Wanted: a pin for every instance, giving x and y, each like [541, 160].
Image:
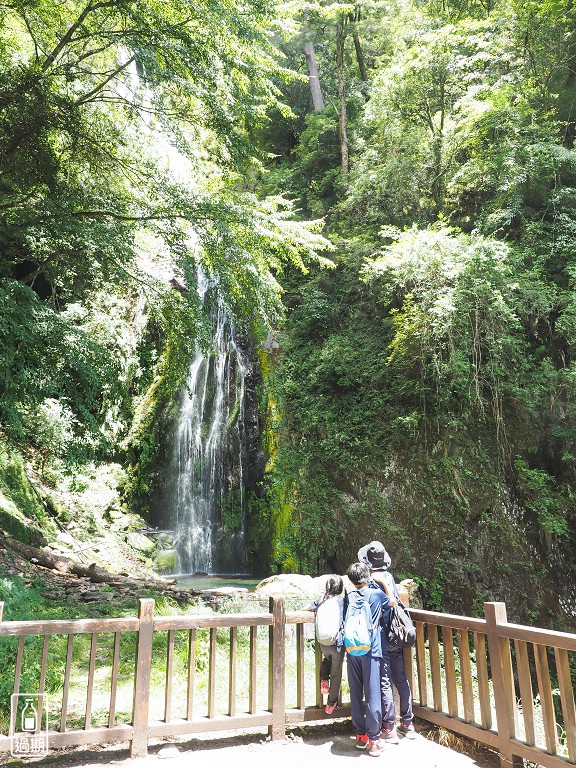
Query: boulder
[288, 585]
[166, 561]
[297, 585]
[140, 542]
[307, 587]
[65, 538]
[165, 541]
[121, 522]
[412, 590]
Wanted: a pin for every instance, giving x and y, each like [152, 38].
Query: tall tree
[108, 109]
[123, 145]
[313, 77]
[341, 28]
[355, 16]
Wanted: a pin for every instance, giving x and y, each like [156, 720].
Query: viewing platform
[330, 746]
[504, 686]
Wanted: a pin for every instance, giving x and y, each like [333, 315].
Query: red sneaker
[324, 687]
[362, 740]
[329, 708]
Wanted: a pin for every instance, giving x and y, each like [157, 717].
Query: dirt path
[321, 747]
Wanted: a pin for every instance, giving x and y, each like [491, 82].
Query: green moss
[22, 512]
[153, 415]
[166, 561]
[15, 484]
[231, 511]
[17, 528]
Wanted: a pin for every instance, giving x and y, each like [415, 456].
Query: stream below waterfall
[215, 582]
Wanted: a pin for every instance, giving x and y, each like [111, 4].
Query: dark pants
[331, 669]
[364, 673]
[393, 672]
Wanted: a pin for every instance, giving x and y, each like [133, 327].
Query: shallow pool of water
[196, 581]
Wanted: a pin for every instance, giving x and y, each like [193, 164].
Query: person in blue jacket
[375, 556]
[365, 672]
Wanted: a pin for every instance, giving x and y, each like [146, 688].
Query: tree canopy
[124, 151]
[427, 385]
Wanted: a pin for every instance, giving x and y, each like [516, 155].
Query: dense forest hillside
[384, 195]
[124, 150]
[427, 382]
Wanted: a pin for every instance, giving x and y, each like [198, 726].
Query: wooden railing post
[141, 707]
[503, 682]
[277, 669]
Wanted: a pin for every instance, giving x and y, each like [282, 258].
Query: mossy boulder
[15, 523]
[166, 561]
[22, 512]
[140, 542]
[289, 585]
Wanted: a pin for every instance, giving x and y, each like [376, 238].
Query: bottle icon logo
[29, 725]
[29, 717]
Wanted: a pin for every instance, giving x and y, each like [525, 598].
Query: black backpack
[401, 632]
[399, 629]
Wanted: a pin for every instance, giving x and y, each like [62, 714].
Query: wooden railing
[491, 681]
[265, 678]
[504, 685]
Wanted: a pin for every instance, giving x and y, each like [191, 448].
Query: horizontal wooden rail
[474, 731]
[547, 637]
[211, 621]
[299, 617]
[79, 737]
[449, 620]
[74, 626]
[210, 724]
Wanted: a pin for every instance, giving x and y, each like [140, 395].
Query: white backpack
[328, 621]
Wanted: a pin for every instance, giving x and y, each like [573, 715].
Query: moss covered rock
[166, 561]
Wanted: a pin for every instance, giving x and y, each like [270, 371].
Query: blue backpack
[358, 625]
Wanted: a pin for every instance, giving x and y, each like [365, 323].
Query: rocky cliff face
[211, 471]
[463, 542]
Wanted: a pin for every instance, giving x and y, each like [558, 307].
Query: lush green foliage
[427, 386]
[424, 392]
[124, 146]
[22, 511]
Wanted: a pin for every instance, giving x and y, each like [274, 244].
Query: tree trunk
[317, 98]
[360, 56]
[342, 121]
[570, 131]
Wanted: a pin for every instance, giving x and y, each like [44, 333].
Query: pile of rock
[66, 580]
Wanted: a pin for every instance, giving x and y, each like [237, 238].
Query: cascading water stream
[207, 497]
[210, 451]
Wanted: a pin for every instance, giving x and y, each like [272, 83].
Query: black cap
[375, 556]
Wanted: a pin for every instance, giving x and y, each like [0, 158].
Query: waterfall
[205, 485]
[209, 496]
